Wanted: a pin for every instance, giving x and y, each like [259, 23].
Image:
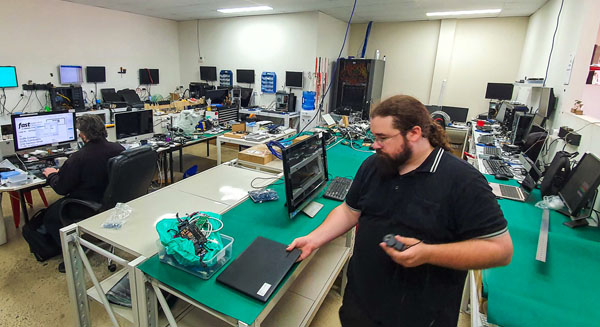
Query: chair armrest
[94, 208]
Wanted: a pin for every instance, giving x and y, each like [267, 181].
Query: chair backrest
[191, 171]
[129, 175]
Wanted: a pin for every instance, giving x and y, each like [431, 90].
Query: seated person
[84, 175]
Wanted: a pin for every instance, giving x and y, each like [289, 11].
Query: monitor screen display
[432, 108]
[70, 74]
[499, 91]
[8, 76]
[353, 96]
[95, 74]
[217, 96]
[293, 79]
[43, 129]
[582, 184]
[133, 123]
[304, 171]
[208, 73]
[457, 114]
[148, 76]
[245, 76]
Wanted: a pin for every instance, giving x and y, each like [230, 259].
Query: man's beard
[389, 165]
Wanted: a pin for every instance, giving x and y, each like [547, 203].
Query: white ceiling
[366, 10]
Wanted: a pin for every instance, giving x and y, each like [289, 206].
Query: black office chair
[129, 177]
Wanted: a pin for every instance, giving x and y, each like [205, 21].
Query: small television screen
[245, 76]
[95, 74]
[293, 79]
[70, 74]
[8, 76]
[208, 73]
[148, 76]
[499, 91]
[582, 184]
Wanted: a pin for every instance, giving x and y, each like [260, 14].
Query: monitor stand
[312, 209]
[584, 216]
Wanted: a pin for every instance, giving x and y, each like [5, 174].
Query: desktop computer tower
[285, 102]
[511, 111]
[357, 86]
[493, 109]
[65, 98]
[520, 129]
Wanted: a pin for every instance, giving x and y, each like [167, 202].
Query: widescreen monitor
[457, 114]
[8, 77]
[581, 185]
[134, 125]
[208, 73]
[70, 74]
[293, 79]
[304, 172]
[245, 76]
[34, 130]
[217, 96]
[148, 76]
[499, 91]
[95, 74]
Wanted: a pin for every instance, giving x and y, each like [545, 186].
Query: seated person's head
[91, 128]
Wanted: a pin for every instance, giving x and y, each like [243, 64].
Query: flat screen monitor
[353, 96]
[148, 76]
[245, 76]
[304, 172]
[95, 74]
[208, 73]
[245, 96]
[581, 185]
[134, 125]
[8, 77]
[293, 79]
[499, 91]
[34, 130]
[457, 114]
[217, 96]
[521, 125]
[432, 108]
[547, 102]
[70, 74]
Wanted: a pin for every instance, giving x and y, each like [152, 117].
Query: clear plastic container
[206, 270]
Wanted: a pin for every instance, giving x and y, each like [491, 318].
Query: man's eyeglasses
[381, 139]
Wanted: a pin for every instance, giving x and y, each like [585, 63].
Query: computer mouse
[501, 177]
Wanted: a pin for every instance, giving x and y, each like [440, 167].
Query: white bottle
[377, 54]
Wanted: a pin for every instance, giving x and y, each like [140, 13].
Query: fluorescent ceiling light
[464, 12]
[245, 9]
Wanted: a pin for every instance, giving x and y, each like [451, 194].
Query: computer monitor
[432, 108]
[33, 130]
[501, 113]
[134, 125]
[217, 96]
[547, 102]
[304, 172]
[95, 74]
[353, 96]
[70, 74]
[245, 96]
[581, 185]
[521, 125]
[208, 73]
[100, 113]
[8, 77]
[148, 76]
[245, 76]
[499, 91]
[293, 79]
[457, 114]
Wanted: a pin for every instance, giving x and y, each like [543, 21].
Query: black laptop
[259, 269]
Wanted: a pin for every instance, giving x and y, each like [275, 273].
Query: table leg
[171, 165]
[207, 148]
[181, 160]
[218, 151]
[166, 180]
[23, 206]
[3, 238]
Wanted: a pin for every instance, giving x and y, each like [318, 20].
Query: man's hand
[48, 171]
[305, 244]
[416, 254]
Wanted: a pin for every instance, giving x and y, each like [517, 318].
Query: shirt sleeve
[67, 178]
[477, 212]
[353, 196]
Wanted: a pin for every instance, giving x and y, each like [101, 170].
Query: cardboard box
[241, 127]
[235, 135]
[259, 154]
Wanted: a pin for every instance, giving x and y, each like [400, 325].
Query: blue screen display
[8, 76]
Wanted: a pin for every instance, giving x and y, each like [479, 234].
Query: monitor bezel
[147, 71]
[133, 137]
[16, 142]
[573, 211]
[237, 75]
[487, 91]
[97, 68]
[293, 211]
[60, 75]
[16, 78]
[211, 68]
[288, 73]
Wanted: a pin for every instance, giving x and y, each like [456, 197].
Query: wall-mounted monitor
[499, 91]
[34, 130]
[95, 74]
[8, 77]
[293, 79]
[148, 76]
[244, 76]
[70, 74]
[208, 73]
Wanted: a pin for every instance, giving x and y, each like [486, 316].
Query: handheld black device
[390, 241]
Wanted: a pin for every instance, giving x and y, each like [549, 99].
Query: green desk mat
[244, 223]
[563, 291]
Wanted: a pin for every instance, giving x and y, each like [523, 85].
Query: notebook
[259, 269]
[513, 192]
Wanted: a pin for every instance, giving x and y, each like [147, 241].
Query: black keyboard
[495, 167]
[491, 150]
[486, 139]
[338, 188]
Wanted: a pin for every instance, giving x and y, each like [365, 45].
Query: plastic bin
[308, 100]
[206, 270]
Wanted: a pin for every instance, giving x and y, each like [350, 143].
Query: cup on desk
[58, 162]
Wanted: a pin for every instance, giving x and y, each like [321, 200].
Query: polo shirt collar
[432, 162]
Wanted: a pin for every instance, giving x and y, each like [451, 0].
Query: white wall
[39, 35]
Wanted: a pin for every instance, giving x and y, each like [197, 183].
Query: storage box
[235, 135]
[259, 154]
[241, 127]
[207, 269]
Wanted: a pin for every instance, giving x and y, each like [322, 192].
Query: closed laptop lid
[260, 268]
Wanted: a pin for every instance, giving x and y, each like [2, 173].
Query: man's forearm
[472, 254]
[339, 221]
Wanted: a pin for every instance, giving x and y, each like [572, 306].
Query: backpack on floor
[41, 245]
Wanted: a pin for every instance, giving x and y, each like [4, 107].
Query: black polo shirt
[444, 200]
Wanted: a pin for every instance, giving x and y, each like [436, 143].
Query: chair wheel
[112, 267]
